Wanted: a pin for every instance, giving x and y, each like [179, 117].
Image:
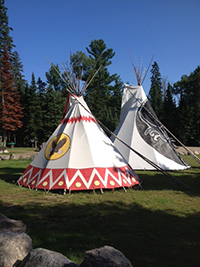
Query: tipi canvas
[140, 129]
[78, 156]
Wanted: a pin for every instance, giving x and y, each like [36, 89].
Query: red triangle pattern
[78, 179]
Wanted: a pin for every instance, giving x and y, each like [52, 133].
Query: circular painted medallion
[57, 147]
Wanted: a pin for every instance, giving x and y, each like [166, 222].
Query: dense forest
[29, 113]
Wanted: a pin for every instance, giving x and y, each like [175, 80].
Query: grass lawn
[158, 225]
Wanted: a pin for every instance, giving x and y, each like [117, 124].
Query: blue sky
[167, 29]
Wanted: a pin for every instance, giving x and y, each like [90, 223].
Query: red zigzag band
[78, 119]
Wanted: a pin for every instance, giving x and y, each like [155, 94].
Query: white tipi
[78, 156]
[140, 129]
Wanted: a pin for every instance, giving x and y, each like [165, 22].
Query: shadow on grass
[146, 237]
[11, 175]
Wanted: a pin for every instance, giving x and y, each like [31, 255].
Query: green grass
[158, 225]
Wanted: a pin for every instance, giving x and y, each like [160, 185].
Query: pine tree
[41, 87]
[54, 78]
[98, 93]
[169, 116]
[21, 140]
[5, 38]
[16, 65]
[115, 103]
[155, 93]
[184, 120]
[101, 93]
[52, 106]
[195, 81]
[17, 69]
[30, 113]
[11, 110]
[40, 95]
[189, 108]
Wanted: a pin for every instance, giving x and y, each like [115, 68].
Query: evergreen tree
[16, 65]
[17, 69]
[41, 87]
[10, 108]
[98, 94]
[52, 111]
[101, 93]
[30, 113]
[21, 83]
[54, 78]
[21, 140]
[169, 116]
[155, 92]
[195, 81]
[79, 63]
[40, 95]
[115, 103]
[189, 108]
[5, 38]
[184, 120]
[39, 113]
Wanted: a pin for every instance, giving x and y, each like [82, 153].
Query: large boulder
[40, 257]
[4, 157]
[23, 156]
[105, 256]
[13, 246]
[7, 224]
